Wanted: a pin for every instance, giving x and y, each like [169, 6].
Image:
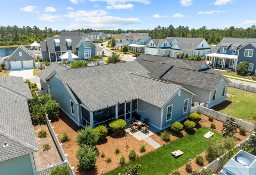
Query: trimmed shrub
[125, 49]
[214, 151]
[42, 133]
[189, 168]
[117, 126]
[46, 147]
[210, 119]
[132, 155]
[64, 137]
[102, 132]
[142, 148]
[195, 117]
[78, 64]
[165, 136]
[122, 160]
[114, 58]
[242, 68]
[61, 170]
[200, 160]
[87, 136]
[177, 127]
[242, 131]
[86, 157]
[176, 173]
[108, 160]
[189, 124]
[213, 126]
[117, 151]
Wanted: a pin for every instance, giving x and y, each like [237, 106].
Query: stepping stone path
[152, 142]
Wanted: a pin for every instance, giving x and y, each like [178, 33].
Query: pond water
[7, 51]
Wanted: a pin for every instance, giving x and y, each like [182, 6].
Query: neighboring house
[209, 85]
[21, 58]
[17, 136]
[112, 91]
[77, 42]
[97, 36]
[242, 163]
[173, 47]
[231, 51]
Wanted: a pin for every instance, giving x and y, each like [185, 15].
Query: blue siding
[252, 59]
[228, 52]
[81, 50]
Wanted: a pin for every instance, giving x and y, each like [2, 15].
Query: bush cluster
[64, 137]
[165, 136]
[117, 126]
[177, 127]
[195, 117]
[102, 132]
[200, 160]
[142, 148]
[122, 160]
[189, 125]
[42, 133]
[242, 68]
[61, 170]
[132, 155]
[87, 136]
[189, 168]
[86, 157]
[242, 131]
[78, 64]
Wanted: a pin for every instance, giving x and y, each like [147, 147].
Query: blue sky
[128, 14]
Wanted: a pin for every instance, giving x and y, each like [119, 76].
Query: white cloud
[70, 8]
[81, 15]
[49, 9]
[50, 18]
[74, 1]
[211, 12]
[122, 1]
[119, 6]
[157, 16]
[186, 2]
[248, 23]
[178, 15]
[222, 2]
[30, 8]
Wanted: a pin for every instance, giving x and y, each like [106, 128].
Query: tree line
[14, 35]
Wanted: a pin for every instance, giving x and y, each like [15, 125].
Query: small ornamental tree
[87, 136]
[195, 117]
[52, 108]
[125, 49]
[117, 126]
[37, 115]
[86, 157]
[102, 132]
[229, 127]
[242, 68]
[60, 170]
[177, 127]
[114, 58]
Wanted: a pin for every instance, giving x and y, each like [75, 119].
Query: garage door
[28, 64]
[15, 64]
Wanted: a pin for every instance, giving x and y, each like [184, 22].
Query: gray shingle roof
[29, 52]
[158, 42]
[43, 46]
[188, 43]
[49, 70]
[16, 85]
[16, 128]
[181, 71]
[108, 85]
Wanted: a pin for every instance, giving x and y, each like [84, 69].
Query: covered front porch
[126, 111]
[222, 61]
[137, 48]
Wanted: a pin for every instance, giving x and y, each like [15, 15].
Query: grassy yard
[4, 73]
[161, 162]
[36, 71]
[234, 74]
[240, 104]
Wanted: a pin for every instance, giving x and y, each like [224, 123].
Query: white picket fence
[63, 156]
[242, 86]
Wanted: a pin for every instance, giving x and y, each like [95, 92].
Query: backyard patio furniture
[133, 128]
[177, 153]
[144, 129]
[208, 134]
[145, 121]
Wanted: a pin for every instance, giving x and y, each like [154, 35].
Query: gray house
[210, 86]
[97, 36]
[77, 42]
[17, 138]
[231, 51]
[94, 95]
[21, 58]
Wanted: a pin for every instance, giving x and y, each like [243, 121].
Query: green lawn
[161, 162]
[241, 104]
[4, 73]
[234, 74]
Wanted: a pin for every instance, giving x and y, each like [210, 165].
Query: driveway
[25, 74]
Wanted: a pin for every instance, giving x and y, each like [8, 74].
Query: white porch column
[91, 120]
[56, 56]
[116, 111]
[124, 110]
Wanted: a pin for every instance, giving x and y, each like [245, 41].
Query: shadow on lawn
[222, 105]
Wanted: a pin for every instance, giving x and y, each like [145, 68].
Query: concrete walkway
[152, 142]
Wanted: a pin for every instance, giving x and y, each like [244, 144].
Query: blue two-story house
[76, 42]
[231, 51]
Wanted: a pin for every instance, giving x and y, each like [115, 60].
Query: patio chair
[144, 129]
[145, 121]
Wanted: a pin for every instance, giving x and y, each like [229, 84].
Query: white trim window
[185, 106]
[214, 94]
[250, 67]
[87, 54]
[72, 107]
[20, 54]
[169, 113]
[224, 91]
[248, 52]
[223, 49]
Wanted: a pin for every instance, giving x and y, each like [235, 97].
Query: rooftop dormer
[69, 44]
